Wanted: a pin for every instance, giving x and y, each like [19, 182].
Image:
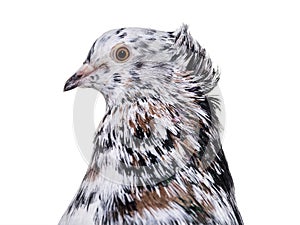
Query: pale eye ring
[122, 54]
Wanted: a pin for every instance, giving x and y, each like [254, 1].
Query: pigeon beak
[75, 80]
[72, 82]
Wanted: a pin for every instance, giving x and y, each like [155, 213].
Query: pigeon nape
[158, 157]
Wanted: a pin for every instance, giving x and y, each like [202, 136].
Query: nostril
[78, 75]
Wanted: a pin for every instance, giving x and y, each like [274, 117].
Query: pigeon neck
[147, 141]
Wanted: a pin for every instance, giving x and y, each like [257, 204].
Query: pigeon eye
[121, 54]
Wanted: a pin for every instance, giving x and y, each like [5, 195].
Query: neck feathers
[147, 141]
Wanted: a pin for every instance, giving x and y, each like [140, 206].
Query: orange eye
[121, 54]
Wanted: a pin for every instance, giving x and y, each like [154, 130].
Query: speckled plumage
[157, 152]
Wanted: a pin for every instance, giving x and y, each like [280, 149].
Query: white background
[255, 43]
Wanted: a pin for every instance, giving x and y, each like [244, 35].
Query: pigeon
[157, 155]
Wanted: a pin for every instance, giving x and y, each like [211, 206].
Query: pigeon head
[136, 62]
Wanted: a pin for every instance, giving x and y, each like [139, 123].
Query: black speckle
[108, 143]
[79, 200]
[118, 31]
[108, 113]
[184, 39]
[142, 161]
[196, 90]
[171, 34]
[139, 133]
[118, 80]
[117, 77]
[148, 133]
[129, 150]
[151, 39]
[155, 98]
[153, 158]
[126, 207]
[100, 131]
[123, 35]
[133, 73]
[159, 151]
[204, 138]
[223, 180]
[114, 134]
[90, 199]
[160, 65]
[193, 48]
[188, 44]
[134, 40]
[177, 37]
[138, 65]
[168, 143]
